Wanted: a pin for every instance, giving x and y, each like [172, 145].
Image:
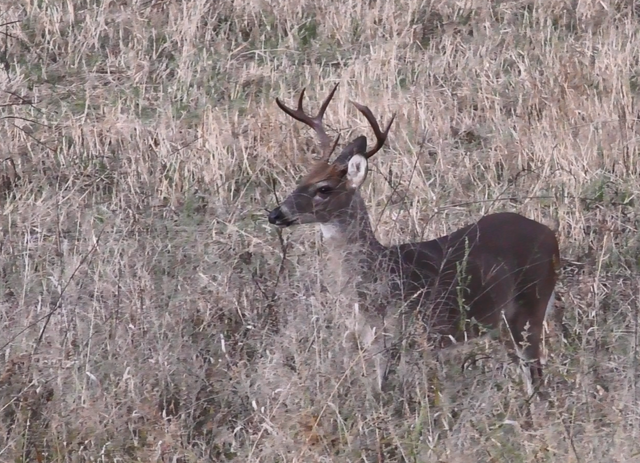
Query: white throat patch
[329, 231]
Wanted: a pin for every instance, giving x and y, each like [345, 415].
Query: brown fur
[321, 171]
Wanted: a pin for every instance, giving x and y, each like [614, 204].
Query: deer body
[504, 267]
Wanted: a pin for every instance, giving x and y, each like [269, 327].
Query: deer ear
[357, 171]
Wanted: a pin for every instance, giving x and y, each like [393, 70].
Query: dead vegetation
[148, 312]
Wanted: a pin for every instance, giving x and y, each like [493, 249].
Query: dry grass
[147, 312]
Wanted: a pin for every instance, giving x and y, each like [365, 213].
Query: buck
[502, 268]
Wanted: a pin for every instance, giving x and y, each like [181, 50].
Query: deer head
[328, 190]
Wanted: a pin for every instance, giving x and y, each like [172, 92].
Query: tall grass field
[150, 313]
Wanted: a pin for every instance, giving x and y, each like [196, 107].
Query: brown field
[149, 312]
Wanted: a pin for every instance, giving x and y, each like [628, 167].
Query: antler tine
[381, 136]
[314, 122]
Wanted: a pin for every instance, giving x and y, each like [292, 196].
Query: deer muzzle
[280, 217]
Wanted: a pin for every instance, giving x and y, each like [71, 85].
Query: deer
[501, 270]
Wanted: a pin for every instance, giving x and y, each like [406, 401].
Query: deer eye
[324, 190]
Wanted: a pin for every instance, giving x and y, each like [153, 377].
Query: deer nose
[281, 217]
[276, 216]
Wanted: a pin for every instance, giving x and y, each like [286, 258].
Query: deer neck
[349, 233]
[357, 263]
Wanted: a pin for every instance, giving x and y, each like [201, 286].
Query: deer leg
[532, 355]
[380, 361]
[527, 335]
[366, 338]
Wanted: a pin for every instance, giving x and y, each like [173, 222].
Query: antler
[314, 122]
[381, 136]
